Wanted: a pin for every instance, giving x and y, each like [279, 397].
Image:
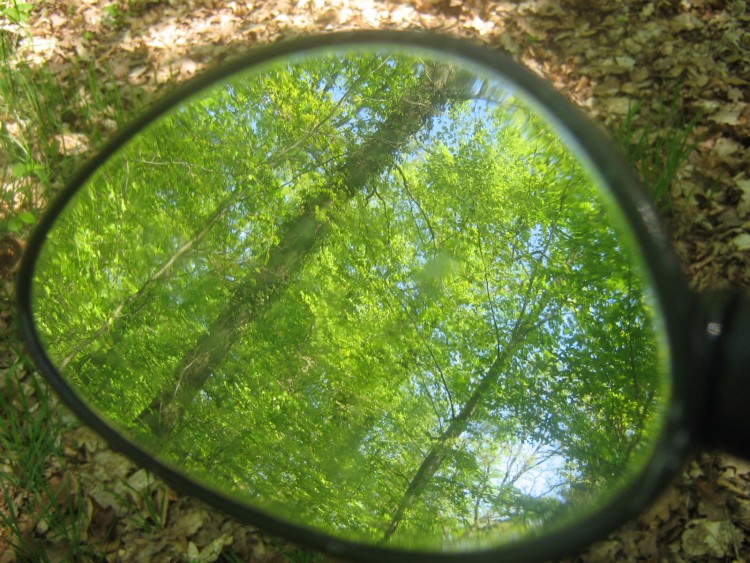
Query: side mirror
[386, 294]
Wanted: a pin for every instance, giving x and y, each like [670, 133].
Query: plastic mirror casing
[727, 388]
[684, 317]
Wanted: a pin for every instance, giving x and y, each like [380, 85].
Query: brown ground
[603, 54]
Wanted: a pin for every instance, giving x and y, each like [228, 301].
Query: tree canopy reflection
[372, 294]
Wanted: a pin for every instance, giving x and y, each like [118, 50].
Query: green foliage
[16, 12]
[29, 442]
[659, 149]
[26, 427]
[358, 295]
[115, 16]
[43, 110]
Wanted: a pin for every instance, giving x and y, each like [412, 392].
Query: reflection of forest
[372, 295]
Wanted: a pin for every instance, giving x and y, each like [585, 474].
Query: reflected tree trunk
[297, 239]
[531, 315]
[200, 232]
[525, 323]
[155, 277]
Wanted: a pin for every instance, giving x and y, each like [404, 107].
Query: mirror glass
[369, 291]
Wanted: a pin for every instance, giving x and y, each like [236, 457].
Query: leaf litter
[606, 56]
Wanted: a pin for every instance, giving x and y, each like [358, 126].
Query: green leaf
[14, 225]
[27, 218]
[20, 170]
[18, 13]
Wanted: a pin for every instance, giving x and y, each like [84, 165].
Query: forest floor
[676, 72]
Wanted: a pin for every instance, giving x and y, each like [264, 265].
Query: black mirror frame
[685, 318]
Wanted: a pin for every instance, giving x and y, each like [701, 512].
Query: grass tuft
[48, 125]
[29, 430]
[659, 149]
[39, 513]
[42, 513]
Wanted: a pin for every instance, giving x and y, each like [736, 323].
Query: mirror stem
[729, 376]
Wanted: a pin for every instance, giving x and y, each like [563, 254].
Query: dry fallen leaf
[706, 538]
[742, 241]
[188, 523]
[103, 522]
[72, 143]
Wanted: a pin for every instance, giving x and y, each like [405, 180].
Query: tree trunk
[297, 239]
[525, 323]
